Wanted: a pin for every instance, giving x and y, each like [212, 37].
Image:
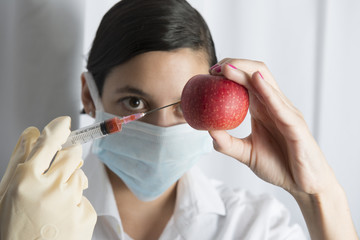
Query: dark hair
[132, 27]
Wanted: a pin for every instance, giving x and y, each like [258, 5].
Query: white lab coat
[205, 209]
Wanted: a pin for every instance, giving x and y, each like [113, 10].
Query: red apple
[214, 103]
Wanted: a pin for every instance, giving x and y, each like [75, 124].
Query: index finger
[52, 137]
[245, 69]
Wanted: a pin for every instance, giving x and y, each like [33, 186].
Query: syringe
[99, 130]
[102, 129]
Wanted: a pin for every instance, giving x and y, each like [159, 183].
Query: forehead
[158, 73]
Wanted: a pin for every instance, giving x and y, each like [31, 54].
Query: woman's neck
[138, 217]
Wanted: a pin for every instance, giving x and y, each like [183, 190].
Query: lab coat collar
[197, 193]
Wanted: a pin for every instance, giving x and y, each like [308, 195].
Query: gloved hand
[38, 205]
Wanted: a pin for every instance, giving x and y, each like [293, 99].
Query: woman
[142, 183]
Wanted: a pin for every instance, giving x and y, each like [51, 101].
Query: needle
[157, 109]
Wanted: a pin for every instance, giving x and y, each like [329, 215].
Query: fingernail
[214, 66]
[261, 75]
[217, 69]
[231, 66]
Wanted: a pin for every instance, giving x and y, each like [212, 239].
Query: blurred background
[311, 47]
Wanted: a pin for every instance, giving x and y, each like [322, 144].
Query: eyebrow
[129, 89]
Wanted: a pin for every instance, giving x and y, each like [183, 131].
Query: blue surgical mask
[148, 158]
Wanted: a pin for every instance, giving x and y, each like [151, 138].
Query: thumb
[239, 149]
[19, 155]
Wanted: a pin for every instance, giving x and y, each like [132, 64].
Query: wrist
[327, 214]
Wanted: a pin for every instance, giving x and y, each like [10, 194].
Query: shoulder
[232, 198]
[252, 216]
[237, 199]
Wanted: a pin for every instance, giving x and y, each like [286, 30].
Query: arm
[282, 151]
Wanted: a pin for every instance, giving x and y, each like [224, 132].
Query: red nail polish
[231, 66]
[261, 75]
[217, 69]
[214, 66]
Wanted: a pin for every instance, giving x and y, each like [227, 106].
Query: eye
[133, 104]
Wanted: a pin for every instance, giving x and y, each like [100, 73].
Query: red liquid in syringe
[99, 130]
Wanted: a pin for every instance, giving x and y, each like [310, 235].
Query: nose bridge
[164, 118]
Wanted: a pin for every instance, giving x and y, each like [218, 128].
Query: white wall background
[311, 47]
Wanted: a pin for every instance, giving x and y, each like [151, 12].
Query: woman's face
[151, 80]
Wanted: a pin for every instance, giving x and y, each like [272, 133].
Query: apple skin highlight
[214, 103]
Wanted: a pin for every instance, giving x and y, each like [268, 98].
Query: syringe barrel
[86, 134]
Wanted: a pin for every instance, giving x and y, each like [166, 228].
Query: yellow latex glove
[34, 205]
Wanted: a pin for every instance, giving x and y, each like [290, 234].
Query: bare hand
[280, 148]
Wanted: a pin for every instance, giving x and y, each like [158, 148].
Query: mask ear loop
[93, 91]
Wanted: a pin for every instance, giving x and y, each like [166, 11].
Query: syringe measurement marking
[83, 135]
